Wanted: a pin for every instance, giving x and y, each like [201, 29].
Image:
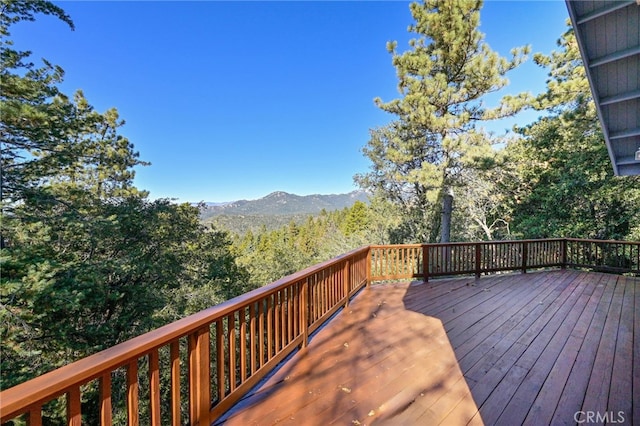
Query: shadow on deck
[539, 348]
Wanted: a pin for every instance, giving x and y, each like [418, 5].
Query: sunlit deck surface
[533, 348]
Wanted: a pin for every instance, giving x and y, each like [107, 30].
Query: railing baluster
[193, 377]
[291, 332]
[269, 327]
[220, 359]
[321, 296]
[132, 393]
[34, 416]
[253, 350]
[174, 360]
[304, 313]
[74, 416]
[261, 331]
[283, 319]
[243, 344]
[204, 348]
[105, 399]
[231, 339]
[154, 386]
[346, 277]
[277, 307]
[296, 310]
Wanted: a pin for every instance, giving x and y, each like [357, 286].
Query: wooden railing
[423, 261]
[604, 256]
[229, 348]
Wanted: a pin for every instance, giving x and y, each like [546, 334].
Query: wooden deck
[556, 347]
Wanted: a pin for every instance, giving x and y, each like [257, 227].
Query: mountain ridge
[284, 203]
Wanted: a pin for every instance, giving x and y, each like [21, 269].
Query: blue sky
[234, 100]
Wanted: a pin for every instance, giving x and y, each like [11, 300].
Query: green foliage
[87, 260]
[241, 224]
[563, 182]
[269, 255]
[419, 159]
[34, 113]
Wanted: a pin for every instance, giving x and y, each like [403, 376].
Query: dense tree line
[88, 260]
[553, 178]
[272, 254]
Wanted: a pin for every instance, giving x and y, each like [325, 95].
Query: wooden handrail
[26, 396]
[477, 258]
[244, 338]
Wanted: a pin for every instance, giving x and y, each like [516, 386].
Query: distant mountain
[208, 204]
[282, 203]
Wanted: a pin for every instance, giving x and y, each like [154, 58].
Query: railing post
[563, 253]
[199, 376]
[478, 260]
[368, 267]
[346, 278]
[425, 262]
[525, 254]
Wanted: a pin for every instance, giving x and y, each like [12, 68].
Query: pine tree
[87, 260]
[419, 158]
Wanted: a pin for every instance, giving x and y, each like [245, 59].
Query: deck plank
[482, 339]
[545, 404]
[497, 365]
[542, 355]
[597, 395]
[505, 349]
[576, 385]
[621, 387]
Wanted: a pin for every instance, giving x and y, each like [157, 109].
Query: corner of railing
[368, 267]
[425, 262]
[478, 259]
[525, 255]
[564, 243]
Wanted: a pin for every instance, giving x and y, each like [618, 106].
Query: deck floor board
[531, 348]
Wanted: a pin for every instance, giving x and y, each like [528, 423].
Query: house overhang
[608, 35]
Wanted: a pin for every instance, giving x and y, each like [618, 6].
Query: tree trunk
[485, 228]
[447, 208]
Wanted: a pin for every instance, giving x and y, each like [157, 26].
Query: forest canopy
[88, 260]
